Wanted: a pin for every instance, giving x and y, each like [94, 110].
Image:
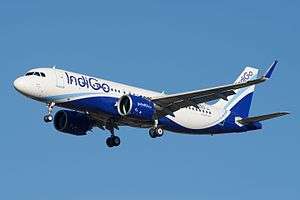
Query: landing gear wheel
[152, 133]
[116, 141]
[109, 142]
[159, 132]
[48, 118]
[156, 132]
[113, 141]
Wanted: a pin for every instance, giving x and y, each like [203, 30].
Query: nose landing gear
[49, 118]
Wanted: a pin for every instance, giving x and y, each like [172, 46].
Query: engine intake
[72, 122]
[136, 107]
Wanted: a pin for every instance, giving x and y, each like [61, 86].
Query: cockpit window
[29, 74]
[42, 74]
[36, 74]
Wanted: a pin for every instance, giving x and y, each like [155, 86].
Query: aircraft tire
[152, 133]
[109, 142]
[159, 132]
[48, 118]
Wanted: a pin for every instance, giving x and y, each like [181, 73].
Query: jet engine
[72, 122]
[136, 107]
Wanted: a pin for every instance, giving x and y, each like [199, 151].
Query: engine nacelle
[136, 107]
[72, 122]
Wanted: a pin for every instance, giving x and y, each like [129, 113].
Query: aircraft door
[60, 79]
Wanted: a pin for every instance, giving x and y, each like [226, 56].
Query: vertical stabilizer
[240, 102]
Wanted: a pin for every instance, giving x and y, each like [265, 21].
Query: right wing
[168, 104]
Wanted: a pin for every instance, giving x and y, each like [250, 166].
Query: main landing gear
[113, 140]
[49, 117]
[156, 132]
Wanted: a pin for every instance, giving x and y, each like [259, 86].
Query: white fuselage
[60, 87]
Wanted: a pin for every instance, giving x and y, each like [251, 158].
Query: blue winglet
[271, 69]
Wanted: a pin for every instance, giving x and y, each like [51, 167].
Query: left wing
[168, 104]
[259, 118]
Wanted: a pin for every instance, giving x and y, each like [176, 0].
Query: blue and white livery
[90, 102]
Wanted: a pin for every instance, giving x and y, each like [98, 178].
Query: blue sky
[170, 46]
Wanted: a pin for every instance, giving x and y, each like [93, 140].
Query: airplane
[90, 102]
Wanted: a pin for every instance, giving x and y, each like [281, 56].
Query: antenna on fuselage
[54, 66]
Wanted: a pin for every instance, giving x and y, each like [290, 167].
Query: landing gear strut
[156, 132]
[49, 117]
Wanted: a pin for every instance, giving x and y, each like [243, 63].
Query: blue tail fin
[240, 102]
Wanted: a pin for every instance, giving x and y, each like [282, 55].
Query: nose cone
[20, 85]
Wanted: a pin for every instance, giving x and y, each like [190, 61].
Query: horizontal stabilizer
[259, 118]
